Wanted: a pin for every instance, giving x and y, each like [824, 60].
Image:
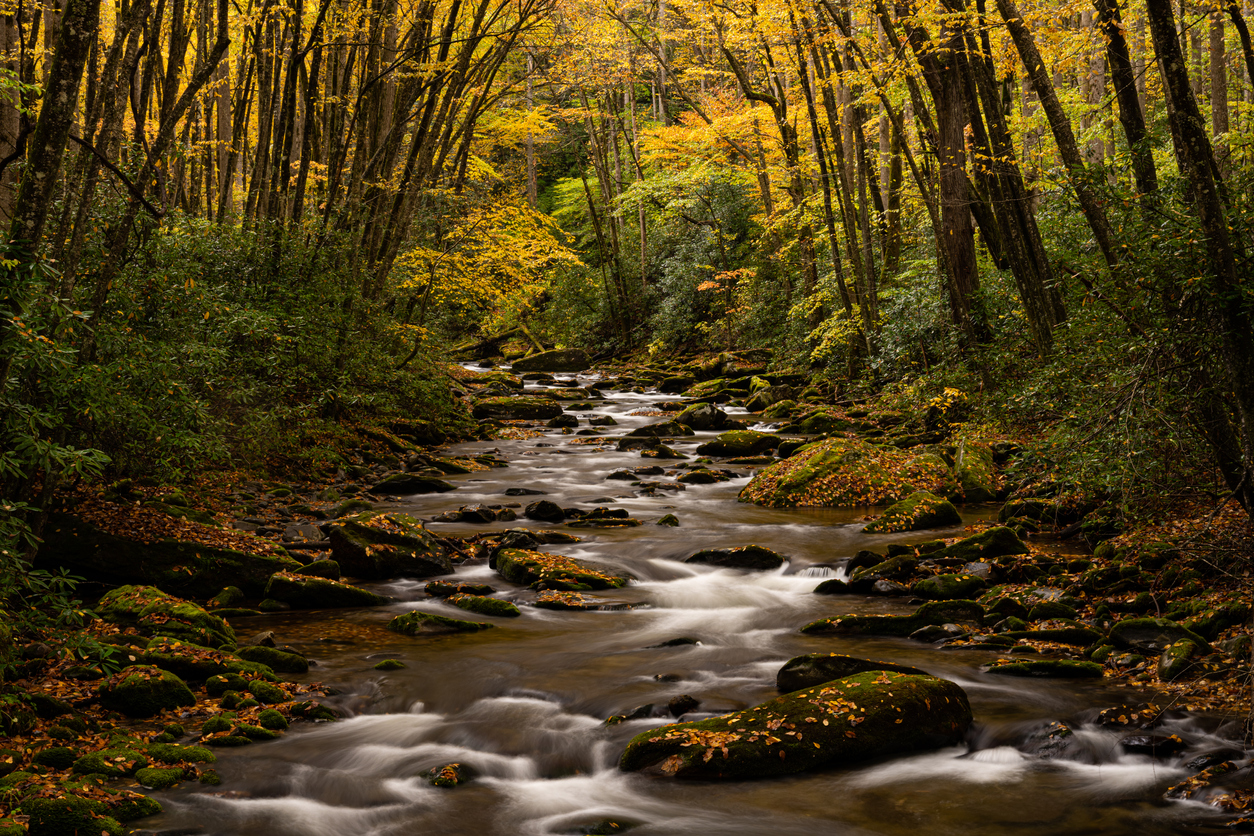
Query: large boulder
[739, 443]
[661, 429]
[846, 472]
[992, 542]
[916, 512]
[768, 396]
[155, 613]
[542, 570]
[933, 612]
[190, 661]
[380, 545]
[144, 690]
[309, 592]
[741, 557]
[976, 471]
[517, 408]
[703, 416]
[1153, 635]
[864, 716]
[559, 360]
[816, 668]
[182, 567]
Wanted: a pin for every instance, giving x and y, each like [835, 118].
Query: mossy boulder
[116, 762]
[517, 408]
[154, 612]
[408, 484]
[267, 693]
[144, 690]
[864, 716]
[159, 778]
[172, 753]
[933, 612]
[1059, 631]
[703, 416]
[70, 815]
[816, 668]
[845, 473]
[483, 605]
[989, 543]
[1051, 668]
[270, 718]
[190, 661]
[307, 592]
[273, 658]
[568, 360]
[976, 471]
[184, 568]
[702, 476]
[376, 546]
[541, 570]
[423, 623]
[1153, 635]
[898, 567]
[917, 511]
[739, 443]
[55, 757]
[948, 586]
[758, 558]
[662, 429]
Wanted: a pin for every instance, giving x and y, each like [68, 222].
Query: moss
[389, 665]
[310, 592]
[742, 557]
[114, 762]
[816, 668]
[483, 605]
[844, 472]
[274, 658]
[171, 753]
[517, 408]
[948, 587]
[418, 623]
[549, 571]
[377, 546]
[933, 612]
[210, 777]
[218, 723]
[976, 471]
[255, 732]
[990, 543]
[739, 443]
[917, 511]
[189, 661]
[156, 613]
[230, 741]
[69, 816]
[267, 693]
[159, 778]
[1055, 668]
[129, 806]
[863, 716]
[216, 686]
[144, 690]
[272, 719]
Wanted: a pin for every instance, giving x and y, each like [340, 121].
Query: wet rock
[1154, 745]
[917, 511]
[1180, 660]
[186, 568]
[523, 492]
[517, 408]
[933, 612]
[1152, 635]
[542, 571]
[544, 511]
[407, 484]
[275, 659]
[898, 567]
[768, 396]
[1052, 741]
[816, 668]
[483, 605]
[864, 716]
[322, 568]
[1061, 631]
[947, 587]
[308, 592]
[443, 589]
[662, 429]
[890, 588]
[153, 612]
[739, 443]
[602, 421]
[623, 475]
[144, 690]
[561, 360]
[1053, 668]
[676, 384]
[990, 543]
[938, 633]
[375, 546]
[563, 420]
[703, 417]
[1047, 610]
[758, 558]
[832, 586]
[669, 520]
[421, 623]
[660, 451]
[1002, 607]
[450, 775]
[702, 476]
[682, 704]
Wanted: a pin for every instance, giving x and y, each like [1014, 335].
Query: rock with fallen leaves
[144, 690]
[377, 545]
[867, 715]
[816, 668]
[920, 510]
[310, 592]
[552, 571]
[155, 613]
[125, 544]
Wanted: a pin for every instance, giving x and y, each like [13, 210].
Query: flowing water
[524, 704]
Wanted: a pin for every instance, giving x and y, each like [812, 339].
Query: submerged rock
[742, 557]
[856, 718]
[816, 668]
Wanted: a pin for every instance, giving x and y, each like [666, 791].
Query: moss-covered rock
[267, 693]
[1059, 631]
[1179, 660]
[159, 778]
[153, 612]
[757, 558]
[270, 718]
[992, 542]
[309, 592]
[948, 587]
[517, 408]
[917, 511]
[816, 668]
[115, 762]
[661, 429]
[898, 567]
[408, 484]
[1053, 668]
[189, 661]
[541, 570]
[703, 416]
[1153, 635]
[976, 471]
[144, 690]
[423, 623]
[185, 568]
[172, 753]
[702, 476]
[483, 605]
[863, 716]
[739, 443]
[275, 659]
[558, 360]
[55, 757]
[933, 612]
[230, 596]
[843, 473]
[69, 815]
[378, 545]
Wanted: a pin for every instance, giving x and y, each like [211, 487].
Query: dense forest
[246, 238]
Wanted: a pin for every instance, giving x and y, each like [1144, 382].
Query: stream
[525, 704]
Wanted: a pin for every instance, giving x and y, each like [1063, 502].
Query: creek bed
[524, 704]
